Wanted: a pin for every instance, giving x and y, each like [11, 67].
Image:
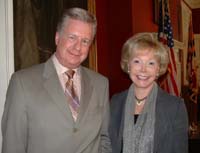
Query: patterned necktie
[72, 97]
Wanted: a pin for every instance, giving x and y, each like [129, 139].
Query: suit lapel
[54, 89]
[86, 92]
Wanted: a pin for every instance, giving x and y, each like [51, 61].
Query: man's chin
[74, 65]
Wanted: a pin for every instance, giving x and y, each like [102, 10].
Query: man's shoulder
[30, 71]
[93, 74]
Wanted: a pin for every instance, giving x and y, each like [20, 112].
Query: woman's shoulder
[169, 102]
[118, 99]
[168, 97]
[119, 96]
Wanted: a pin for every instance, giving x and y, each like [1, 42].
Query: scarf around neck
[139, 137]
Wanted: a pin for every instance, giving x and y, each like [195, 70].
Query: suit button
[75, 130]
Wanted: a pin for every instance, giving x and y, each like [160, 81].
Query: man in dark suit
[39, 116]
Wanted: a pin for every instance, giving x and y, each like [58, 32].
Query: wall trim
[178, 44]
[197, 36]
[6, 50]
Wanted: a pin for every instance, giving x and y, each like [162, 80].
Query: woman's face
[144, 69]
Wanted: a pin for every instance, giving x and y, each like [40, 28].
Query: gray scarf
[139, 137]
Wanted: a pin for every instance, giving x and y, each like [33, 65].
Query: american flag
[165, 35]
[191, 65]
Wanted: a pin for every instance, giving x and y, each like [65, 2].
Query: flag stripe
[173, 59]
[165, 35]
[175, 88]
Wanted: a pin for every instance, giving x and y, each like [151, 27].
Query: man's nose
[78, 44]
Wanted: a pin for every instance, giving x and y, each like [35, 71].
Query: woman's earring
[128, 70]
[157, 76]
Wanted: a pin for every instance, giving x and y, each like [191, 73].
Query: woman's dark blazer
[171, 125]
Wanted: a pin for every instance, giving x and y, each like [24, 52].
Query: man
[42, 114]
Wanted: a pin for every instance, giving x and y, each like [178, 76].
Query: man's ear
[57, 36]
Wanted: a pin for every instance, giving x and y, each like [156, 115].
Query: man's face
[73, 43]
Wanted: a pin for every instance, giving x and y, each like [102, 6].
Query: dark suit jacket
[171, 125]
[37, 118]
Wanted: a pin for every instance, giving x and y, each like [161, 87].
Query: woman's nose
[143, 67]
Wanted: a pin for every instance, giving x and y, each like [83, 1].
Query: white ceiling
[193, 3]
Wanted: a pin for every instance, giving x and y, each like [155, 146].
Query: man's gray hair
[77, 14]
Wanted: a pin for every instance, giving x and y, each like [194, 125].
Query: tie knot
[70, 73]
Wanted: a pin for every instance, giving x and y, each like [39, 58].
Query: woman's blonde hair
[141, 42]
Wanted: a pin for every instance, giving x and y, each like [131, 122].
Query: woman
[144, 118]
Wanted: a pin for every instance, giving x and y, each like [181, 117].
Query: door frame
[6, 51]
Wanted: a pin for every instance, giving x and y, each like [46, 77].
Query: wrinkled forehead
[77, 23]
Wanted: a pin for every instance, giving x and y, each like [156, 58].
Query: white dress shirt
[60, 69]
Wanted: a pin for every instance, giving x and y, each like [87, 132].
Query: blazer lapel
[54, 89]
[161, 123]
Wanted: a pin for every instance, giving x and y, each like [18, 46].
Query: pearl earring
[128, 70]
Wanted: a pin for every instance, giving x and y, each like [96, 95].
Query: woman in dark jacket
[144, 118]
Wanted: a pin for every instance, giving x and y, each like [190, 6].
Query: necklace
[140, 101]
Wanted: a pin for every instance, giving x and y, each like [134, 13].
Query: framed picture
[34, 40]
